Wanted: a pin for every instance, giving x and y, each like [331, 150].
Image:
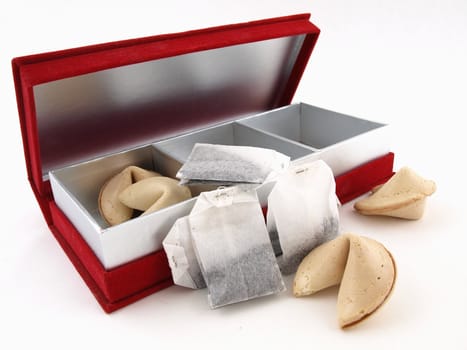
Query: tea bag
[233, 248]
[226, 165]
[302, 212]
[181, 256]
[178, 247]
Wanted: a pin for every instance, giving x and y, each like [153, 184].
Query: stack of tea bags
[224, 244]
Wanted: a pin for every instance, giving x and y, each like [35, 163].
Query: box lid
[82, 103]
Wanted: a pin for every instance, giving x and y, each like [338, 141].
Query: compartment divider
[306, 149]
[231, 133]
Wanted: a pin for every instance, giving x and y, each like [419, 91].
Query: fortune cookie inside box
[78, 192]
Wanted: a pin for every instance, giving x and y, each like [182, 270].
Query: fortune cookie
[154, 193]
[403, 196]
[362, 266]
[110, 207]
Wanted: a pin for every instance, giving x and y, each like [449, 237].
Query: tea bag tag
[222, 197]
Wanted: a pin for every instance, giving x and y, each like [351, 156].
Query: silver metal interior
[83, 181]
[297, 131]
[309, 125]
[303, 132]
[91, 115]
[234, 134]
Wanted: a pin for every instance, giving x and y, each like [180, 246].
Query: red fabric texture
[116, 287]
[362, 179]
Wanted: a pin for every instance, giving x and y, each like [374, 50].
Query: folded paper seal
[181, 256]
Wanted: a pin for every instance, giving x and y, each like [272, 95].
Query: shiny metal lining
[87, 116]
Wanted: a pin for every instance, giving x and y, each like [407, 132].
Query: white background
[395, 61]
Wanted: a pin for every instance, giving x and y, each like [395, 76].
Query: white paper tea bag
[178, 247]
[302, 212]
[181, 256]
[226, 165]
[233, 247]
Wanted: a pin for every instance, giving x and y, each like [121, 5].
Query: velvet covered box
[88, 112]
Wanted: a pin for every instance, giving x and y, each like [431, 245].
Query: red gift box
[81, 104]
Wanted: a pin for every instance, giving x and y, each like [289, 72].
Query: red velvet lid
[86, 102]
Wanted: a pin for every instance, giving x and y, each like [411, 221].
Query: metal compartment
[310, 125]
[76, 190]
[303, 132]
[339, 139]
[234, 134]
[133, 105]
